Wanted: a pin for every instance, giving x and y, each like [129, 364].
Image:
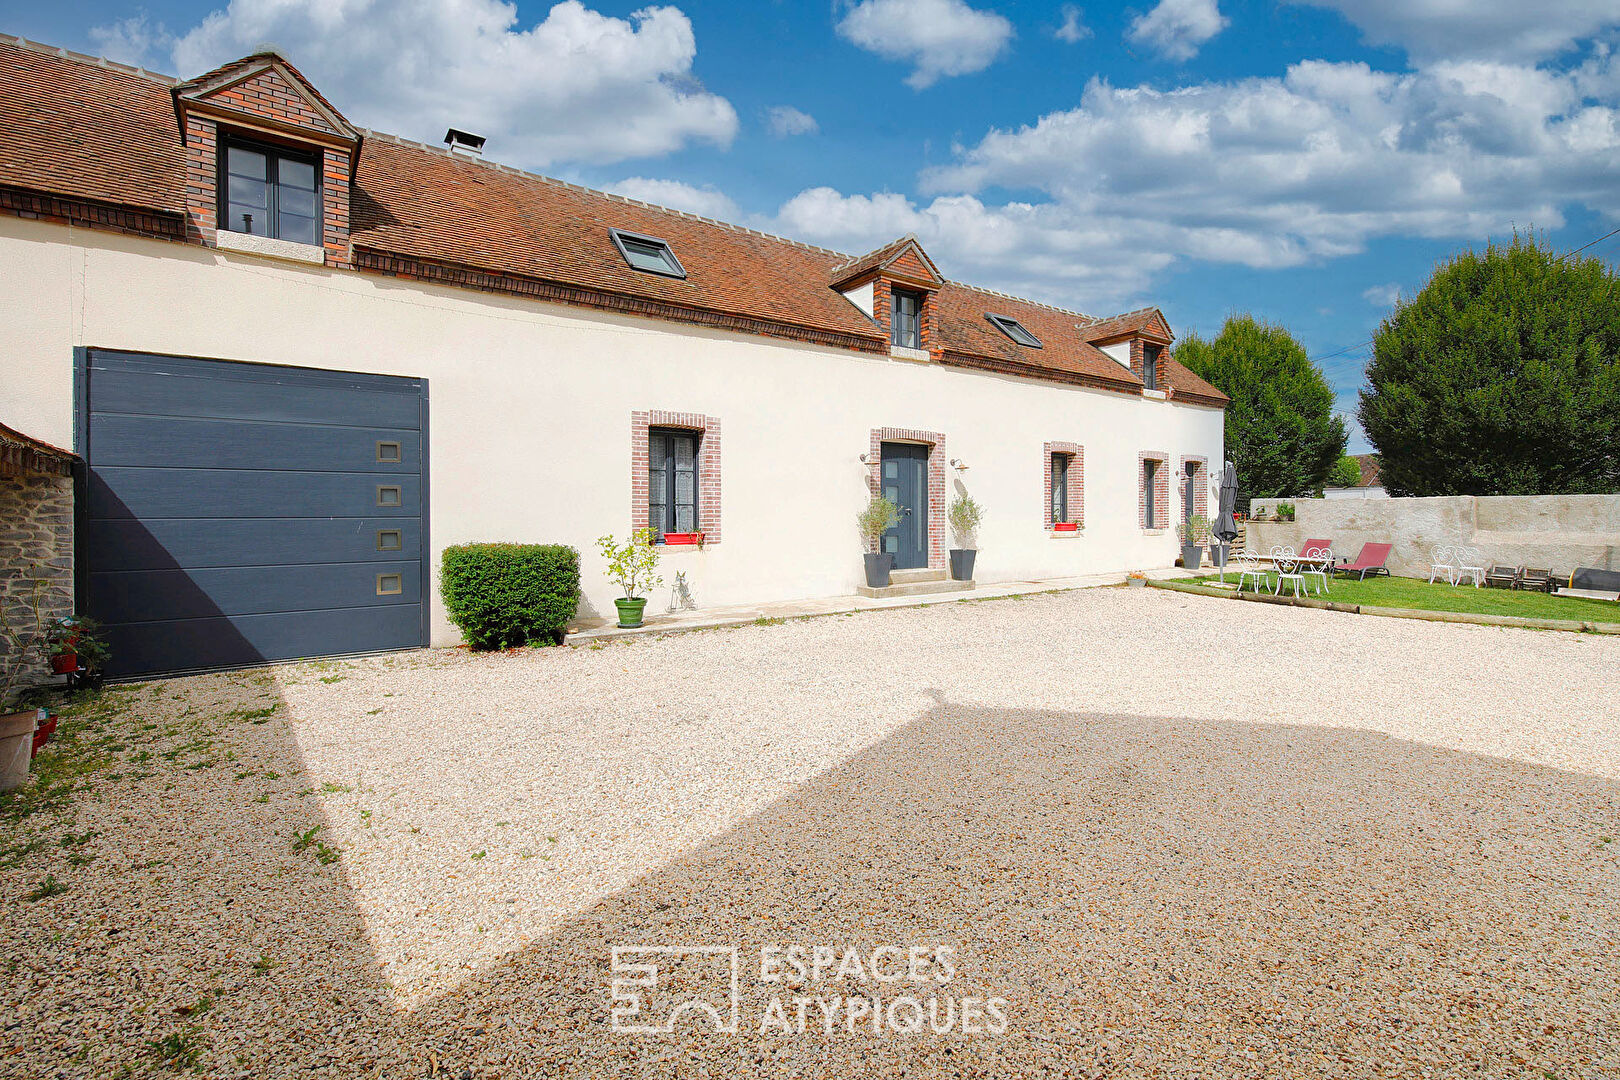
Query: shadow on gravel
[1173, 897]
[1164, 897]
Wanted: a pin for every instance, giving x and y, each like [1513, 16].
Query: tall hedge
[504, 595]
[1281, 432]
[1501, 377]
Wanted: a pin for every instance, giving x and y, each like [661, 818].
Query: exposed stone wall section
[36, 542]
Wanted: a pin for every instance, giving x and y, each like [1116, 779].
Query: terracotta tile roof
[22, 454]
[854, 268]
[1148, 321]
[88, 130]
[82, 128]
[427, 204]
[1369, 469]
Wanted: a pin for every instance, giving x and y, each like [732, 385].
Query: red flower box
[682, 539]
[1066, 526]
[65, 663]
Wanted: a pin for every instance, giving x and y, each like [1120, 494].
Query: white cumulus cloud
[1177, 29]
[1073, 28]
[703, 201]
[784, 120]
[1500, 29]
[577, 86]
[940, 38]
[1382, 295]
[1264, 172]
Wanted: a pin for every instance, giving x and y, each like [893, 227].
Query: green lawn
[1399, 592]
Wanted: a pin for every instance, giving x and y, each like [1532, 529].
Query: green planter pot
[630, 611]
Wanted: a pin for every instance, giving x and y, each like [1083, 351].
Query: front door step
[911, 577]
[940, 584]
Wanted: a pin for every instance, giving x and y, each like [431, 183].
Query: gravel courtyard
[1180, 837]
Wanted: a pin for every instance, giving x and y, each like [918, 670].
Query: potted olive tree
[633, 565]
[878, 518]
[964, 516]
[1193, 532]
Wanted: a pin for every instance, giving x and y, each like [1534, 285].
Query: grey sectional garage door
[238, 513]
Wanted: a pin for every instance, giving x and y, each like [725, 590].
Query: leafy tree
[1347, 473]
[1500, 378]
[1280, 429]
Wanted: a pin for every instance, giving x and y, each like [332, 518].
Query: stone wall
[1559, 532]
[36, 543]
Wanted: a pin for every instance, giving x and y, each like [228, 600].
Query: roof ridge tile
[85, 58]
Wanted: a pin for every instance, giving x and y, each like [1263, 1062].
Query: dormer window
[271, 191]
[1015, 330]
[905, 319]
[648, 253]
[1150, 366]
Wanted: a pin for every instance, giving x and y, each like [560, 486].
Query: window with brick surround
[1150, 366]
[1153, 489]
[672, 498]
[1064, 483]
[675, 473]
[270, 191]
[906, 319]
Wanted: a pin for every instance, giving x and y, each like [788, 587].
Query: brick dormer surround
[902, 264]
[1139, 347]
[264, 98]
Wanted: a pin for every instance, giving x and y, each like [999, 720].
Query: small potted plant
[878, 518]
[1136, 579]
[23, 632]
[964, 515]
[1192, 533]
[633, 565]
[72, 645]
[1285, 511]
[1071, 523]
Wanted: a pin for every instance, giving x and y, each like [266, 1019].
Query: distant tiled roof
[89, 129]
[1369, 469]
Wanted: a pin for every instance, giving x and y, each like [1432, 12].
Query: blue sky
[1301, 161]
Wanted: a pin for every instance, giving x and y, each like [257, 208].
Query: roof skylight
[1015, 330]
[648, 253]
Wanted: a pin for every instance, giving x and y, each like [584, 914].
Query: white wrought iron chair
[1320, 566]
[1443, 561]
[1470, 564]
[1249, 565]
[1287, 564]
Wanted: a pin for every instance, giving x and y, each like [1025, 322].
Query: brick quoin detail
[202, 180]
[927, 319]
[1200, 485]
[1161, 489]
[936, 480]
[708, 479]
[335, 208]
[1077, 480]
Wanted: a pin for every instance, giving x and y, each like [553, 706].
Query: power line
[1583, 247]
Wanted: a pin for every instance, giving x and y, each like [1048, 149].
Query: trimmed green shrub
[504, 595]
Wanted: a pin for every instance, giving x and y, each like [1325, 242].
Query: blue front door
[905, 483]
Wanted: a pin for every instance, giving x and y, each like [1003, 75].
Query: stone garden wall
[1559, 532]
[36, 544]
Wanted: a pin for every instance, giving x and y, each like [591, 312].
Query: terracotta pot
[16, 746]
[65, 663]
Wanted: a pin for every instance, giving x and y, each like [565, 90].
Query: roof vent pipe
[464, 143]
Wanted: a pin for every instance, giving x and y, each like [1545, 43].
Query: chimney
[464, 143]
